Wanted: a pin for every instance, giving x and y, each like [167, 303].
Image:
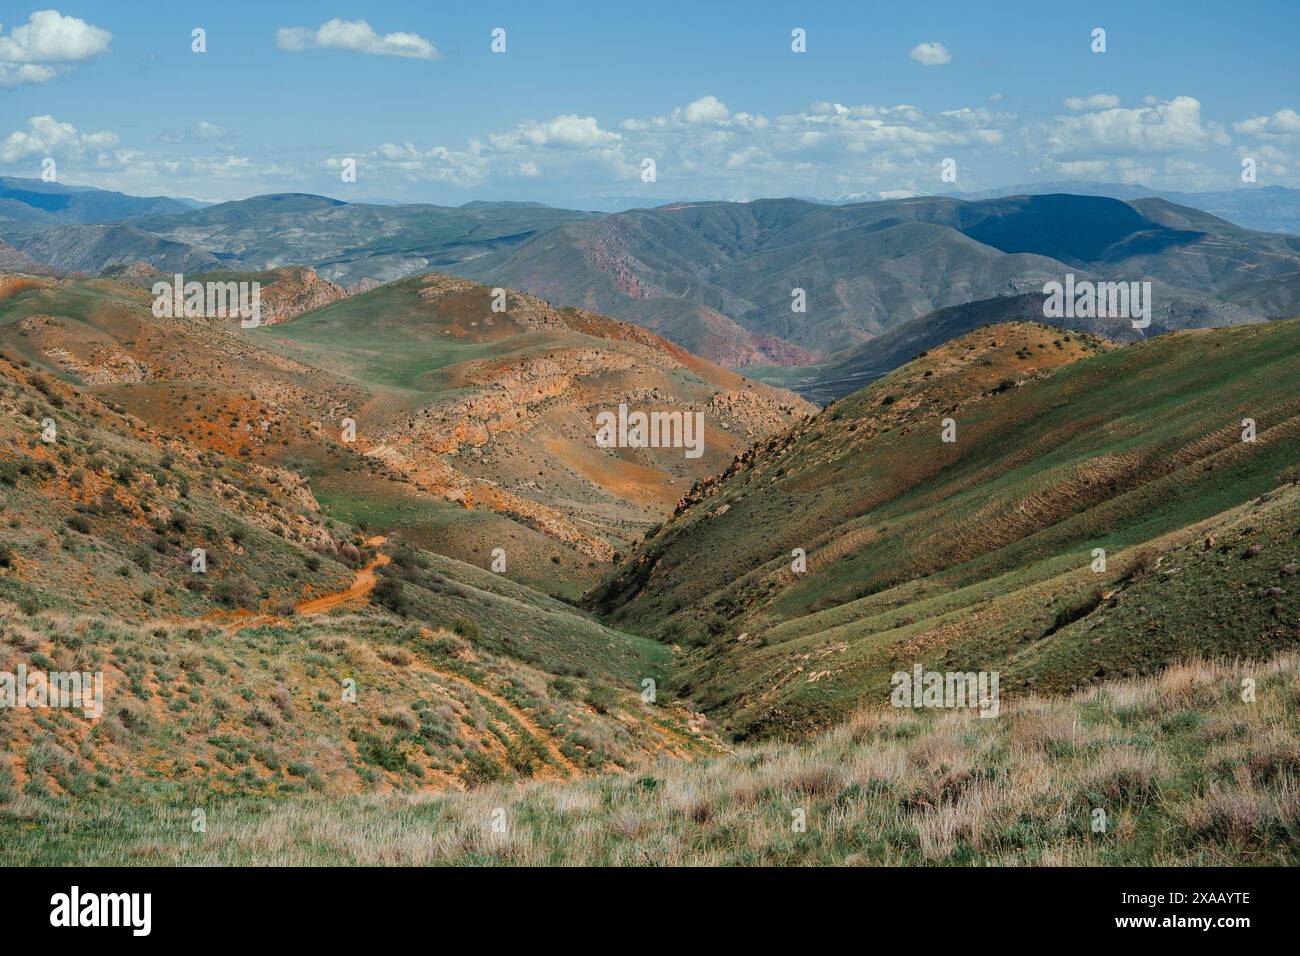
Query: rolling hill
[1265, 208]
[329, 562]
[474, 430]
[979, 553]
[95, 248]
[1186, 772]
[301, 656]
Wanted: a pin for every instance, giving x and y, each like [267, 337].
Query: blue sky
[586, 91]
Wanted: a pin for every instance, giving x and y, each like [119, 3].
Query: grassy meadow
[1185, 771]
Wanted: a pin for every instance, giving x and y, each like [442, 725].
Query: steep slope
[12, 260]
[286, 293]
[977, 554]
[496, 410]
[1186, 771]
[474, 430]
[239, 675]
[1171, 309]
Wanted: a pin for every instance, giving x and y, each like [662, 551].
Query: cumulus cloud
[1162, 127]
[931, 54]
[1272, 161]
[569, 131]
[357, 36]
[20, 74]
[1284, 124]
[1098, 101]
[48, 37]
[46, 136]
[707, 109]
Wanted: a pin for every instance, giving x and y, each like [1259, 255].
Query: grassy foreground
[1185, 771]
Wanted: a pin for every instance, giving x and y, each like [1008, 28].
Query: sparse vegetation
[1186, 773]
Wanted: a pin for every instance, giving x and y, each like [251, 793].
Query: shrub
[601, 696]
[480, 768]
[395, 655]
[466, 628]
[235, 591]
[401, 719]
[389, 593]
[524, 755]
[565, 688]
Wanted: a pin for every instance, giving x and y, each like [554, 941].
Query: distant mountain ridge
[865, 268]
[33, 200]
[723, 279]
[1266, 208]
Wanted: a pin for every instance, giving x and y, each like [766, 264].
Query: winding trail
[365, 581]
[361, 586]
[359, 589]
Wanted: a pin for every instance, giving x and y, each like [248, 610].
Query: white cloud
[465, 168]
[50, 37]
[568, 131]
[1273, 163]
[707, 109]
[931, 54]
[20, 74]
[47, 37]
[1284, 124]
[1098, 101]
[46, 136]
[1164, 127]
[357, 36]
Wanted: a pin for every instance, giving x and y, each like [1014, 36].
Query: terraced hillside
[979, 554]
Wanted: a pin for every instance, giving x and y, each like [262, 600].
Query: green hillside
[229, 678]
[978, 554]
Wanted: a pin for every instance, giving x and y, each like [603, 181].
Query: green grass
[385, 337]
[1185, 772]
[966, 553]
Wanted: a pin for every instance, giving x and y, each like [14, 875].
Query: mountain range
[721, 279]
